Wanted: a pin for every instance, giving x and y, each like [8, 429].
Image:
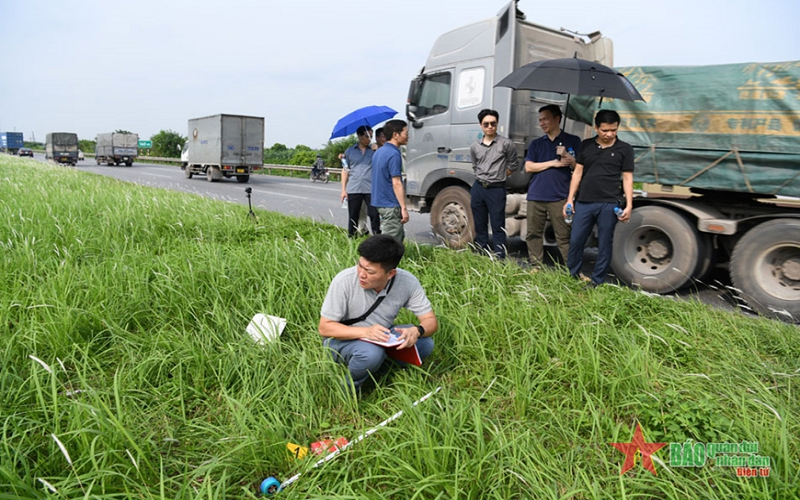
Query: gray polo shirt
[359, 175]
[346, 299]
[491, 161]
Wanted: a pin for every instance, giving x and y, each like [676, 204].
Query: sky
[90, 66]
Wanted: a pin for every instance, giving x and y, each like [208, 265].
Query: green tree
[278, 154]
[167, 144]
[332, 150]
[87, 146]
[305, 157]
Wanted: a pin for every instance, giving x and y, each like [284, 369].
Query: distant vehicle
[224, 146]
[62, 147]
[80, 155]
[25, 152]
[116, 148]
[10, 142]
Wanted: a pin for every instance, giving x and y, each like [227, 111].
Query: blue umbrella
[369, 116]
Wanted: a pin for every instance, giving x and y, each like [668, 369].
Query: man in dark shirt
[602, 162]
[493, 156]
[550, 158]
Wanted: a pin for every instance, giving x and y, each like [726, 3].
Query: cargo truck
[718, 153]
[62, 147]
[224, 146]
[116, 148]
[740, 162]
[11, 142]
[443, 104]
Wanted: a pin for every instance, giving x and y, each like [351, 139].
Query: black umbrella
[572, 76]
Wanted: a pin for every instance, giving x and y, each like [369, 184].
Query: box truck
[224, 146]
[62, 147]
[11, 142]
[116, 148]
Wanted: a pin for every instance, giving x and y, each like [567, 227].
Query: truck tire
[765, 267]
[213, 174]
[241, 179]
[659, 250]
[128, 163]
[187, 172]
[451, 217]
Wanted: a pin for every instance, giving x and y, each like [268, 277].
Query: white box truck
[224, 146]
[116, 148]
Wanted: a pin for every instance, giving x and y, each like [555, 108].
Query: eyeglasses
[489, 124]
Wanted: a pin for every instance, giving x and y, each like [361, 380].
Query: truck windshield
[433, 96]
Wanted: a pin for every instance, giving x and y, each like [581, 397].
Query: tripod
[250, 215]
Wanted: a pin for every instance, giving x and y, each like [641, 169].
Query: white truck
[115, 148]
[717, 150]
[443, 103]
[224, 146]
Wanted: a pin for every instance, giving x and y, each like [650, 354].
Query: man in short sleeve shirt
[604, 174]
[354, 291]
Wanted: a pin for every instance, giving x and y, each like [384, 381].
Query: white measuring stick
[368, 433]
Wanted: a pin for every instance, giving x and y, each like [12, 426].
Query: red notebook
[408, 355]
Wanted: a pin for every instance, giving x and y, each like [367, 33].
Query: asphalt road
[303, 198]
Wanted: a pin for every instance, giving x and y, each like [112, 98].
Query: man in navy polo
[604, 173]
[551, 159]
[388, 192]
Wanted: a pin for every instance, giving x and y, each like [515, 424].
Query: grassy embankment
[122, 317]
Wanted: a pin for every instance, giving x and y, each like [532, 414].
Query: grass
[125, 371]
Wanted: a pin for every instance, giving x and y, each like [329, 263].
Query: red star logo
[638, 444]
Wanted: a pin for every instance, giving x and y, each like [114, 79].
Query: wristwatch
[421, 330]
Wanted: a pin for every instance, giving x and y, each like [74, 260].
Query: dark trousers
[586, 216]
[354, 201]
[489, 205]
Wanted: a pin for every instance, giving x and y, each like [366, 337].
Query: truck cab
[456, 83]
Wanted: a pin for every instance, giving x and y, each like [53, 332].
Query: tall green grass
[125, 370]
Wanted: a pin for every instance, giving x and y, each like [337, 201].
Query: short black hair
[379, 132]
[382, 249]
[487, 112]
[362, 130]
[554, 110]
[394, 127]
[607, 116]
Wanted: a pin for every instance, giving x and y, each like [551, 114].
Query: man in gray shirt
[354, 291]
[357, 182]
[493, 157]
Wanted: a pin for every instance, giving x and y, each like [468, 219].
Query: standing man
[388, 193]
[348, 315]
[493, 158]
[551, 159]
[602, 162]
[380, 138]
[357, 182]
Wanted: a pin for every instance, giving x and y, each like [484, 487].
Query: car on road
[25, 152]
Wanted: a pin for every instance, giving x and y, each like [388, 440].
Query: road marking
[274, 193]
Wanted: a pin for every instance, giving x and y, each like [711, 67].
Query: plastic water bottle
[568, 218]
[344, 203]
[571, 152]
[618, 212]
[345, 165]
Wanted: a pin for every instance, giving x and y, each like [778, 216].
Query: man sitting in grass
[349, 312]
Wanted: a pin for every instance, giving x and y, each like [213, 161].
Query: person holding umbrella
[357, 182]
[550, 158]
[493, 157]
[602, 162]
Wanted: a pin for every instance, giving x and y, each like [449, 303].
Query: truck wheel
[659, 250]
[241, 179]
[98, 162]
[451, 217]
[187, 172]
[128, 163]
[213, 174]
[765, 266]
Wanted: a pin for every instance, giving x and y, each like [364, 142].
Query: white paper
[265, 328]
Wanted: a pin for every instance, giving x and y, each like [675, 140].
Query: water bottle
[568, 218]
[618, 212]
[344, 203]
[345, 165]
[571, 152]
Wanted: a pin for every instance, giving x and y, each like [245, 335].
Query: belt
[489, 185]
